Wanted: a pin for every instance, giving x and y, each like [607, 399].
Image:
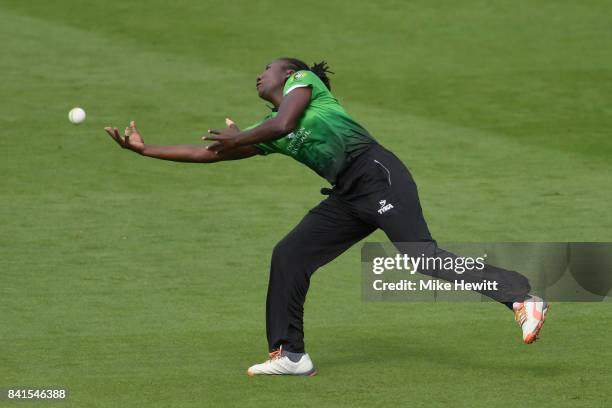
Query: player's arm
[180, 153]
[197, 153]
[290, 111]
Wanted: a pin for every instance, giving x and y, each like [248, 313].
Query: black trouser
[375, 191]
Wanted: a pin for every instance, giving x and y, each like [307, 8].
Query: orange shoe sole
[534, 336]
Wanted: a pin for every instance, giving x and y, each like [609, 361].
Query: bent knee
[284, 251]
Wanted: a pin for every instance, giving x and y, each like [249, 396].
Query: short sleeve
[300, 79]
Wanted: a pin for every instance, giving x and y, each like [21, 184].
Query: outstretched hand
[131, 140]
[223, 139]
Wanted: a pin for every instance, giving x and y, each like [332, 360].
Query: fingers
[214, 146]
[109, 131]
[214, 134]
[114, 133]
[126, 139]
[231, 124]
[123, 142]
[212, 138]
[131, 128]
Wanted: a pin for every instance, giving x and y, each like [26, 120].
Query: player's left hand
[132, 139]
[223, 139]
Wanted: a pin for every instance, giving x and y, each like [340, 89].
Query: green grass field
[140, 283]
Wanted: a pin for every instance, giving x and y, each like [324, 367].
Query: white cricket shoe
[530, 316]
[281, 365]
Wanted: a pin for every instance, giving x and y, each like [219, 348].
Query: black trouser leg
[403, 221]
[323, 234]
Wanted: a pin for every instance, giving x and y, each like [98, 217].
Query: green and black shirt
[326, 137]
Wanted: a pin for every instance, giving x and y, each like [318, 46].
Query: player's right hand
[131, 140]
[224, 138]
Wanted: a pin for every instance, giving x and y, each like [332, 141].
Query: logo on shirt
[297, 139]
[384, 207]
[299, 75]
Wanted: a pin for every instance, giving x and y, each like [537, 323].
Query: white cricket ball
[76, 116]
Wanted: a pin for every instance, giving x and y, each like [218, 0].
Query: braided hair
[320, 69]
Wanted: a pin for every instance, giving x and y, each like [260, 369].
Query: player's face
[272, 79]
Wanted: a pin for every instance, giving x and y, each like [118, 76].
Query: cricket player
[370, 189]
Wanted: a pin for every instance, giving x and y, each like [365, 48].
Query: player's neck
[275, 99]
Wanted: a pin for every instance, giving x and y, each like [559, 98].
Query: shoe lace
[276, 354]
[520, 314]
